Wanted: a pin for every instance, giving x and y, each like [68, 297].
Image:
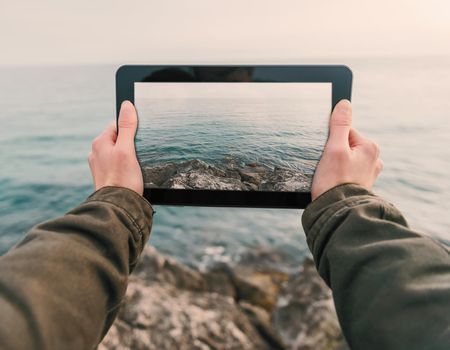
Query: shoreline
[198, 174]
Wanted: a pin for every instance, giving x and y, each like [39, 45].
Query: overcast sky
[262, 31]
[299, 91]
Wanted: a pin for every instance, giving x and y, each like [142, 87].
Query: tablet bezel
[339, 76]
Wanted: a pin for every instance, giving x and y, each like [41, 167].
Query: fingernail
[126, 104]
[344, 106]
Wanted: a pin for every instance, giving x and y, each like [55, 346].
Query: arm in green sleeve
[61, 286]
[391, 285]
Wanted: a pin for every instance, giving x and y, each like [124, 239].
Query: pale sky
[298, 91]
[210, 31]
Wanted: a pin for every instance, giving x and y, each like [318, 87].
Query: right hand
[348, 157]
[113, 159]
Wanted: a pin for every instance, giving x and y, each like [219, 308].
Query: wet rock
[285, 180]
[157, 175]
[197, 174]
[202, 181]
[250, 186]
[253, 178]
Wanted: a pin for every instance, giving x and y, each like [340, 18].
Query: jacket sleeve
[391, 285]
[61, 286]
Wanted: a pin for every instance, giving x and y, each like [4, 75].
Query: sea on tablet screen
[231, 136]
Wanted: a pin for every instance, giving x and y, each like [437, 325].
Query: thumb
[340, 123]
[127, 124]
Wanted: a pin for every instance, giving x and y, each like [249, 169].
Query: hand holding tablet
[231, 136]
[112, 159]
[348, 156]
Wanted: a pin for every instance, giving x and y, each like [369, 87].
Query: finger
[379, 166]
[355, 138]
[377, 148]
[340, 123]
[110, 133]
[127, 125]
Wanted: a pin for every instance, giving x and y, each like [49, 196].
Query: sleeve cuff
[336, 194]
[137, 207]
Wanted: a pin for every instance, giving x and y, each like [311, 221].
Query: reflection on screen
[231, 136]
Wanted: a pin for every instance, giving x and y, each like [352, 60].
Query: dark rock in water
[196, 180]
[250, 186]
[197, 174]
[285, 180]
[253, 178]
[192, 174]
[171, 306]
[158, 174]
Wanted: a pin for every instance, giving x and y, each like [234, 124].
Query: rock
[220, 280]
[233, 174]
[250, 186]
[163, 317]
[305, 316]
[286, 180]
[157, 175]
[258, 277]
[197, 174]
[155, 267]
[254, 304]
[261, 320]
[171, 306]
[253, 178]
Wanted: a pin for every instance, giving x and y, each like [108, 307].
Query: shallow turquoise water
[50, 115]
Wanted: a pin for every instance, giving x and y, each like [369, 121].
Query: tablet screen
[231, 136]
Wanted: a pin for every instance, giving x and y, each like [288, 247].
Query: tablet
[231, 136]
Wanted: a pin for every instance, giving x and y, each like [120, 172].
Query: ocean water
[49, 116]
[271, 132]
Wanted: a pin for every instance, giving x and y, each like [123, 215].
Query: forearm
[61, 286]
[391, 286]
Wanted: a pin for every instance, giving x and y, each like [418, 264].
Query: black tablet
[231, 136]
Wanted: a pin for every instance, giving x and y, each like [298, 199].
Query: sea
[272, 132]
[50, 115]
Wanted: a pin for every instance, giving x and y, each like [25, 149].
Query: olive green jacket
[391, 285]
[60, 288]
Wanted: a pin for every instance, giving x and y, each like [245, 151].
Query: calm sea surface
[49, 116]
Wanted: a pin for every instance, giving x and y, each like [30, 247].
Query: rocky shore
[197, 174]
[251, 305]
